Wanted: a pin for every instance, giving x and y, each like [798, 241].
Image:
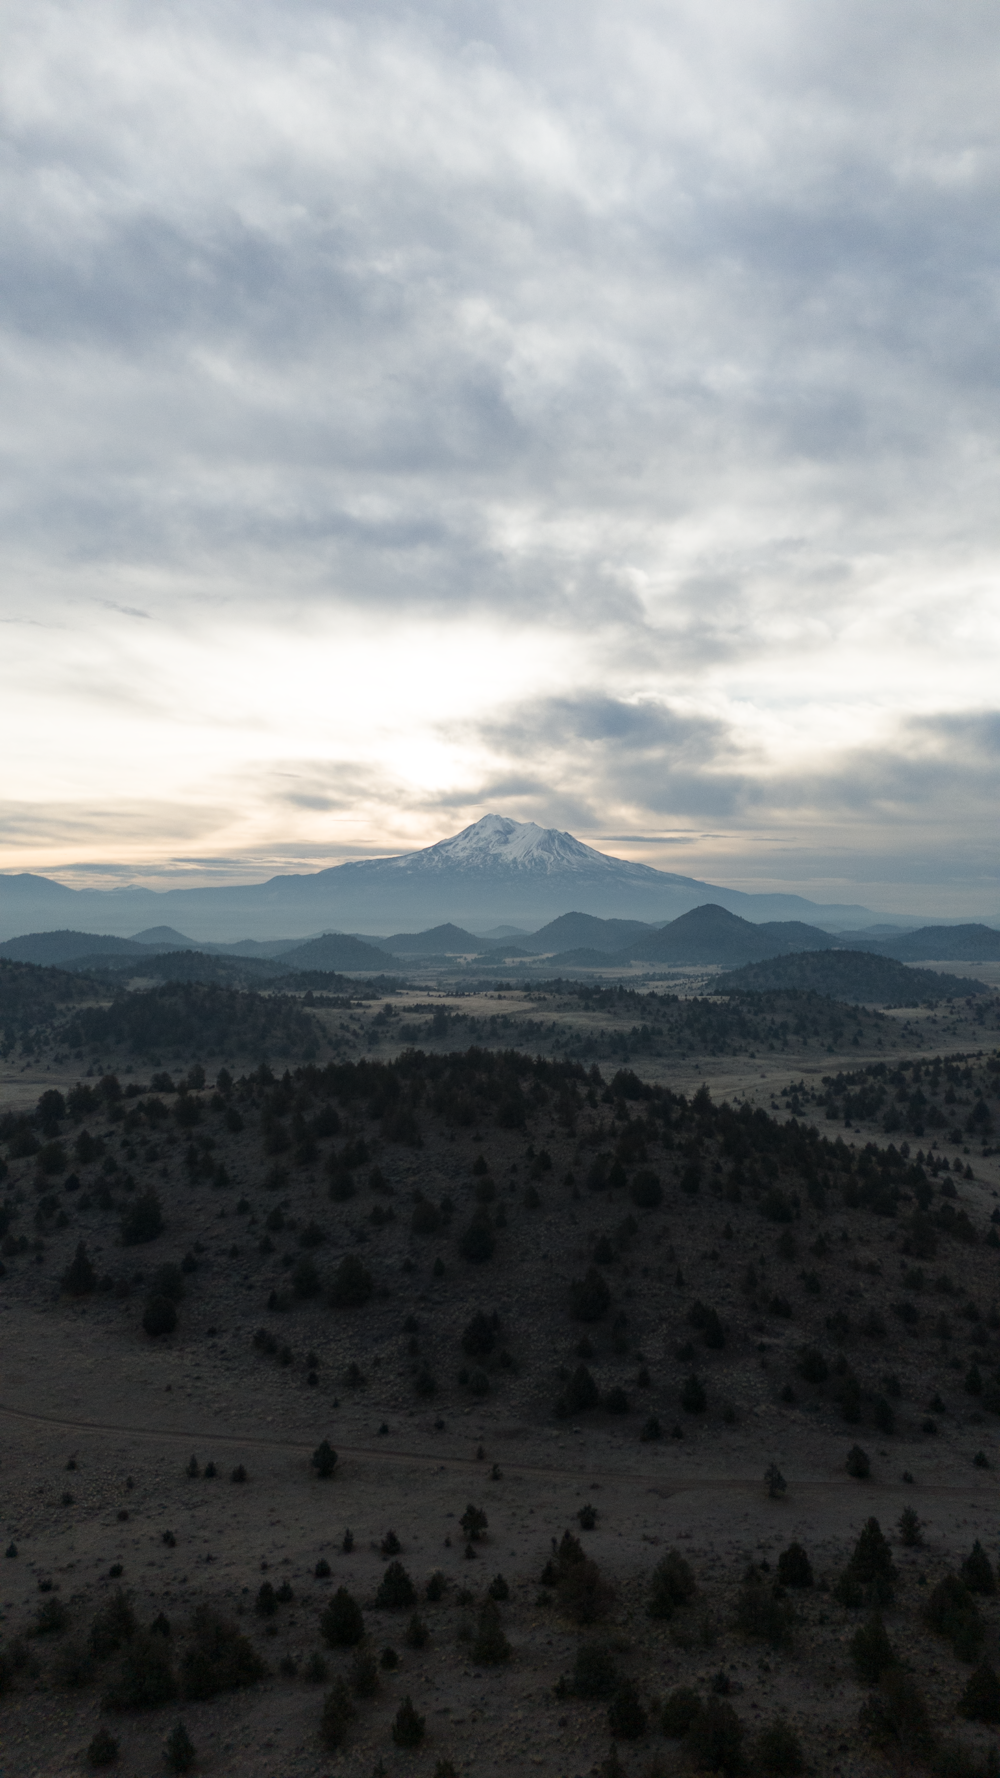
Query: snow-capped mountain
[497, 846]
[496, 871]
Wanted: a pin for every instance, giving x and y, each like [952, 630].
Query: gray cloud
[647, 759]
[621, 275]
[673, 326]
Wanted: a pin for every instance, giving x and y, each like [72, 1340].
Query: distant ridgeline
[706, 936]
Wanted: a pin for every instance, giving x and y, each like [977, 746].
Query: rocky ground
[792, 1242]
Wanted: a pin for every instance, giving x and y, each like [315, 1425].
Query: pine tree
[179, 1752]
[408, 1728]
[341, 1624]
[79, 1278]
[871, 1650]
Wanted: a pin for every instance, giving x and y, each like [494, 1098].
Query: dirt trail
[439, 1460]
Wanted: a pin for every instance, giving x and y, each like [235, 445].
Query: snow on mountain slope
[497, 844]
[492, 873]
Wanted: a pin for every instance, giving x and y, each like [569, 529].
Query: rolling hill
[712, 934]
[575, 930]
[437, 941]
[941, 944]
[337, 951]
[847, 975]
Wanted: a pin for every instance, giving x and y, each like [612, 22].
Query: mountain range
[495, 871]
[708, 935]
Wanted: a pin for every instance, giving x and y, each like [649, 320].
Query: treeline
[954, 1093]
[196, 1018]
[32, 996]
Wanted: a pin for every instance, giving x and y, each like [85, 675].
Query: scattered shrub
[474, 1523]
[672, 1584]
[396, 1590]
[870, 1576]
[910, 1528]
[142, 1220]
[715, 1738]
[693, 1397]
[408, 1728]
[679, 1711]
[871, 1650]
[590, 1297]
[581, 1391]
[813, 1367]
[305, 1278]
[103, 1750]
[52, 1618]
[179, 1753]
[338, 1713]
[478, 1242]
[582, 1591]
[595, 1672]
[794, 1567]
[341, 1624]
[168, 1281]
[73, 1666]
[79, 1278]
[980, 1701]
[113, 1624]
[977, 1572]
[218, 1658]
[952, 1611]
[159, 1317]
[761, 1613]
[627, 1719]
[364, 1674]
[646, 1190]
[479, 1337]
[324, 1460]
[895, 1717]
[490, 1645]
[778, 1753]
[352, 1284]
[146, 1677]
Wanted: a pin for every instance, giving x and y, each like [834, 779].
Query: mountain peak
[497, 844]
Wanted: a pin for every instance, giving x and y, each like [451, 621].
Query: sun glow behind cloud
[407, 415]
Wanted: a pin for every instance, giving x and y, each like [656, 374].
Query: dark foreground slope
[631, 1301]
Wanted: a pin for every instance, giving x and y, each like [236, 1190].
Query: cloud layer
[587, 414]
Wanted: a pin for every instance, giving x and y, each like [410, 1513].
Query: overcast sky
[584, 412]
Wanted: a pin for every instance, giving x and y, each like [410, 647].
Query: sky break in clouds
[589, 414]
